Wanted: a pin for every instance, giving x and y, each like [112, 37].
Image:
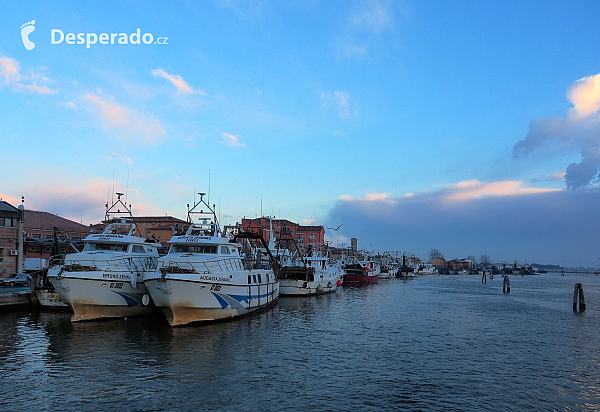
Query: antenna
[208, 199]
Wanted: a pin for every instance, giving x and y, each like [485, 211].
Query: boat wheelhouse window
[259, 279]
[254, 278]
[116, 247]
[224, 250]
[138, 249]
[249, 279]
[194, 248]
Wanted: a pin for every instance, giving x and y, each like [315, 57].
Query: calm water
[432, 343]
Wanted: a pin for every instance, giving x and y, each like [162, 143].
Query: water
[431, 343]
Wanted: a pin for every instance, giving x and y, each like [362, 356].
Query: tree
[485, 261]
[435, 254]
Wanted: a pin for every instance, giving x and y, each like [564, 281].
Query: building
[160, 228]
[38, 237]
[303, 235]
[11, 239]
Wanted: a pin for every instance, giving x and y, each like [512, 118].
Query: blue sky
[470, 127]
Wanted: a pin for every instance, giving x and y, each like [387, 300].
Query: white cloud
[579, 128]
[340, 102]
[123, 158]
[181, 85]
[231, 140]
[34, 82]
[373, 17]
[127, 122]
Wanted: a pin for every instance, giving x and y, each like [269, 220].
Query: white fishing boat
[204, 278]
[427, 269]
[105, 279]
[310, 275]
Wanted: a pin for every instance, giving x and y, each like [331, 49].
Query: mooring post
[484, 277]
[578, 296]
[506, 285]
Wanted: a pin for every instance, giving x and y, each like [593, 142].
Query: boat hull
[185, 301]
[93, 297]
[352, 279]
[295, 287]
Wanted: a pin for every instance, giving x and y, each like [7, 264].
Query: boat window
[224, 250]
[138, 249]
[259, 279]
[254, 278]
[249, 279]
[194, 249]
[92, 246]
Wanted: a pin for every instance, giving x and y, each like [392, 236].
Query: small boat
[405, 271]
[105, 279]
[204, 277]
[48, 298]
[361, 273]
[427, 269]
[310, 275]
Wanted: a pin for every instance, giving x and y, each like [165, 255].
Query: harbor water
[430, 343]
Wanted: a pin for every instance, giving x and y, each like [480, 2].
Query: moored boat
[310, 275]
[361, 273]
[405, 271]
[203, 278]
[105, 279]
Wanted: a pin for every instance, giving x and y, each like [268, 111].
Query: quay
[14, 297]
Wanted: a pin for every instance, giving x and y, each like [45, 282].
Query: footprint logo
[26, 29]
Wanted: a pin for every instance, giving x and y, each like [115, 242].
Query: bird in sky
[337, 228]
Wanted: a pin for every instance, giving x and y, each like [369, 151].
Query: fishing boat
[388, 268]
[309, 275]
[205, 276]
[105, 279]
[361, 273]
[426, 269]
[405, 271]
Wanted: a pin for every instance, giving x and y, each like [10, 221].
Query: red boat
[358, 274]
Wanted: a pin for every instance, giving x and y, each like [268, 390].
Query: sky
[466, 126]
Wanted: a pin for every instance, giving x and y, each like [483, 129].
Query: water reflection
[446, 342]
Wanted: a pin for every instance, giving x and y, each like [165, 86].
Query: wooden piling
[484, 277]
[578, 298]
[506, 285]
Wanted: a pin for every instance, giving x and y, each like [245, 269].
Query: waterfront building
[11, 239]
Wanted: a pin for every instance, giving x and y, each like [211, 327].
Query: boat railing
[202, 267]
[123, 264]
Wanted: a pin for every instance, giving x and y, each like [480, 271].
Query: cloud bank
[505, 220]
[580, 128]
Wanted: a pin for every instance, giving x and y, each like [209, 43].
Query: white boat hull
[95, 297]
[185, 301]
[295, 287]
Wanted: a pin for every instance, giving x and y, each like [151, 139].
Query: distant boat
[427, 269]
[405, 271]
[311, 275]
[361, 273]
